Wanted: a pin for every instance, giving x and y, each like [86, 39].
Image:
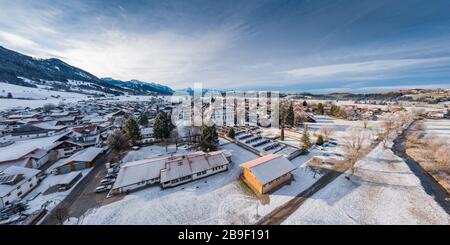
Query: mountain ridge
[55, 74]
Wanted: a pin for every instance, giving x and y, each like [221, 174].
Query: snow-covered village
[122, 160]
[223, 128]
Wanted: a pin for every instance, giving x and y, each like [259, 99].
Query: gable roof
[86, 155]
[269, 167]
[85, 129]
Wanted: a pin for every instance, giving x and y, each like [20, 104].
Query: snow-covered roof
[50, 125]
[23, 147]
[190, 164]
[138, 171]
[147, 131]
[86, 155]
[15, 170]
[38, 153]
[269, 167]
[69, 178]
[168, 167]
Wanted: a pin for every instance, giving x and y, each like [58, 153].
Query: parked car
[111, 176]
[106, 181]
[103, 188]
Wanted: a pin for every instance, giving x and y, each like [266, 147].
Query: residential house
[88, 135]
[267, 173]
[79, 161]
[15, 183]
[29, 131]
[65, 148]
[169, 170]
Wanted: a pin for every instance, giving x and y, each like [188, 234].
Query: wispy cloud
[350, 70]
[295, 45]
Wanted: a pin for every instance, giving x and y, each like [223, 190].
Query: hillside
[54, 74]
[139, 86]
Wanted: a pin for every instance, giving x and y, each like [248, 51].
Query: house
[80, 160]
[182, 169]
[69, 180]
[37, 158]
[66, 148]
[147, 135]
[169, 170]
[88, 135]
[32, 159]
[267, 173]
[29, 131]
[66, 121]
[16, 182]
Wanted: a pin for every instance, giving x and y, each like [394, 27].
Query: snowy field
[218, 199]
[37, 97]
[383, 191]
[440, 128]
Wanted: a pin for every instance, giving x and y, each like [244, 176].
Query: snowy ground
[439, 128]
[218, 199]
[383, 191]
[37, 97]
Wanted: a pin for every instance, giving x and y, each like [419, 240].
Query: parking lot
[84, 197]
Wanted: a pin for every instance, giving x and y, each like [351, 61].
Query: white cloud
[16, 41]
[159, 57]
[349, 70]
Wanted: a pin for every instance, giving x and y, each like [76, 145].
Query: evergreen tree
[143, 119]
[117, 140]
[298, 121]
[132, 130]
[209, 138]
[231, 133]
[304, 103]
[319, 140]
[290, 115]
[335, 111]
[162, 128]
[305, 139]
[320, 109]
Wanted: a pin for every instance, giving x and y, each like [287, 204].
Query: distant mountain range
[139, 86]
[54, 74]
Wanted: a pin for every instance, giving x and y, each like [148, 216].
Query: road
[83, 196]
[278, 215]
[281, 213]
[428, 182]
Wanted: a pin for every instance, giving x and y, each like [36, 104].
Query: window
[19, 193]
[18, 187]
[201, 173]
[31, 185]
[29, 180]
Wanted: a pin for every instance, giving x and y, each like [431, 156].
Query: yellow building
[267, 173]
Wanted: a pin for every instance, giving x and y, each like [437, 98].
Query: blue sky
[314, 46]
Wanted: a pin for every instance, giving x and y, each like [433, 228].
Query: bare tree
[418, 112]
[365, 123]
[389, 125]
[354, 148]
[327, 132]
[60, 214]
